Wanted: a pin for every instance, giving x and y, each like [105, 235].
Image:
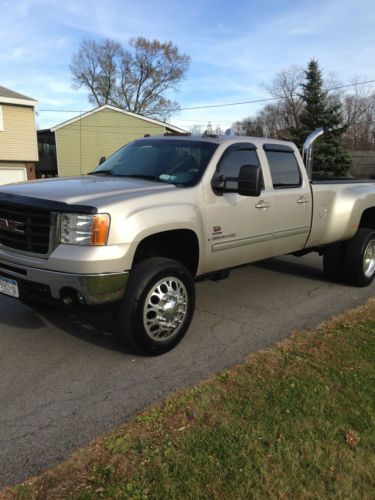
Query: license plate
[9, 287]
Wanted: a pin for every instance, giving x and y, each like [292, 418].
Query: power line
[188, 120]
[175, 109]
[271, 98]
[209, 106]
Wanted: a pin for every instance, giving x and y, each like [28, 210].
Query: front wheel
[359, 259]
[157, 307]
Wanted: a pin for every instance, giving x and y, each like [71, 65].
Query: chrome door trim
[240, 242]
[291, 232]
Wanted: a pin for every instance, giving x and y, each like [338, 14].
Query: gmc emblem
[12, 226]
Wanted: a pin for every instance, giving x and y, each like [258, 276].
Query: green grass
[295, 421]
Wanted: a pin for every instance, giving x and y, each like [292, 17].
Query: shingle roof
[4, 92]
[113, 108]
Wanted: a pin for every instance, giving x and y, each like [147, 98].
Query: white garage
[12, 173]
[18, 142]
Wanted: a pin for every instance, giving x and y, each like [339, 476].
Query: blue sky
[235, 46]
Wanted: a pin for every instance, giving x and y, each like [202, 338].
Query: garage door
[12, 174]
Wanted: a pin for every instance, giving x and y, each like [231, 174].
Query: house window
[1, 119]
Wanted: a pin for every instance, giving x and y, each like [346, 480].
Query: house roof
[113, 108]
[8, 96]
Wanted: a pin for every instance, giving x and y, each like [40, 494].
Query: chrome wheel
[369, 259]
[165, 309]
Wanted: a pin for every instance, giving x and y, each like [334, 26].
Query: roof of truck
[221, 139]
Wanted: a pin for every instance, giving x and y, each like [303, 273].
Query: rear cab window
[283, 165]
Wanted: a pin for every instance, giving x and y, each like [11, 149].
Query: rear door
[292, 200]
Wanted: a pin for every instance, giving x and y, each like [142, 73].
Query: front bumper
[72, 289]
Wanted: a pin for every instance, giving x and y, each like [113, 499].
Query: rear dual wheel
[157, 307]
[333, 262]
[359, 259]
[352, 261]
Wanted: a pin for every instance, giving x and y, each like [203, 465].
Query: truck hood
[88, 190]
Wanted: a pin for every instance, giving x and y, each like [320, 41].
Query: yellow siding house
[82, 141]
[18, 140]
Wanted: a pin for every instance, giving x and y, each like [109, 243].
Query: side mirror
[250, 180]
[248, 183]
[102, 160]
[219, 183]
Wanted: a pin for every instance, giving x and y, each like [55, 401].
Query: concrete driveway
[64, 380]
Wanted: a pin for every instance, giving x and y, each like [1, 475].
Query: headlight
[84, 229]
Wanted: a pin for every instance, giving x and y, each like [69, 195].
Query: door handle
[303, 200]
[262, 204]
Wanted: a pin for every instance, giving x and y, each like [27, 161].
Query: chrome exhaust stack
[307, 150]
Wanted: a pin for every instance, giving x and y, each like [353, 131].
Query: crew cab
[161, 212]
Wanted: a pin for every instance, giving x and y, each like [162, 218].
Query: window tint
[284, 169]
[232, 161]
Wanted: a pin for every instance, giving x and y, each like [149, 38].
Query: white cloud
[234, 47]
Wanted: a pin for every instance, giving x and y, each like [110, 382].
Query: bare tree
[359, 114]
[94, 66]
[281, 118]
[268, 122]
[253, 127]
[274, 120]
[135, 79]
[196, 129]
[286, 87]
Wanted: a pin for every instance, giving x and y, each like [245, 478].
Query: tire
[157, 307]
[333, 263]
[359, 258]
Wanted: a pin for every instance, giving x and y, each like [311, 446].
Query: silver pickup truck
[164, 211]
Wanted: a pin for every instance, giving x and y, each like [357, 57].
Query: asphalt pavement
[64, 380]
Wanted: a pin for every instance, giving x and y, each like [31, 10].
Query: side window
[233, 160]
[284, 169]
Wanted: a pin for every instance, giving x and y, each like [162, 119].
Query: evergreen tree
[329, 157]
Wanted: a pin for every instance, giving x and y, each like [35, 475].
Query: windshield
[179, 162]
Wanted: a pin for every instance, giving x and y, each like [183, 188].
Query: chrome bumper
[83, 289]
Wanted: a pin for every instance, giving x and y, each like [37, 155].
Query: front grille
[25, 228]
[17, 270]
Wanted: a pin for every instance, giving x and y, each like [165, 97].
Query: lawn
[294, 421]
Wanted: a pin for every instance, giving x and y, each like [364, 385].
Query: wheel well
[179, 244]
[368, 218]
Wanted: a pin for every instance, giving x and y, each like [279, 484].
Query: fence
[363, 164]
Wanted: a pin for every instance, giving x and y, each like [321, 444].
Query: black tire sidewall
[354, 258]
[129, 315]
[333, 262]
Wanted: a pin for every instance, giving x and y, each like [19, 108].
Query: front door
[238, 228]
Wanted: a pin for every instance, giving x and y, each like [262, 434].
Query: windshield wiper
[135, 176]
[143, 176]
[101, 172]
